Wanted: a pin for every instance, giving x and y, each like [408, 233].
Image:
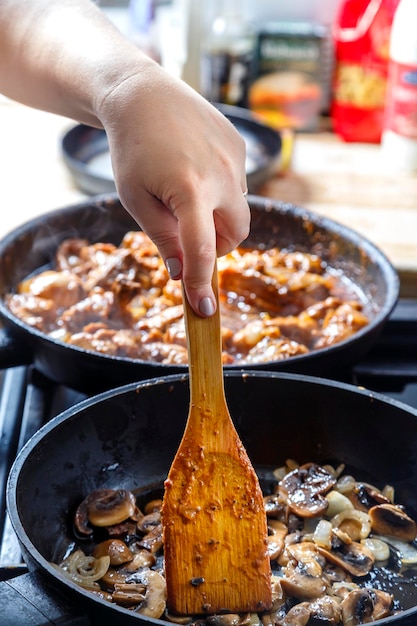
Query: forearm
[63, 56]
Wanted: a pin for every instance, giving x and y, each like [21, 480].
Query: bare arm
[179, 165]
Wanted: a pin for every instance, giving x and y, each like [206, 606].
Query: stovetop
[28, 400]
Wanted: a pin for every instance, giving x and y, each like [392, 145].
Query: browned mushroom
[149, 521]
[365, 605]
[116, 549]
[303, 576]
[277, 531]
[155, 597]
[351, 556]
[128, 594]
[364, 496]
[391, 520]
[104, 507]
[273, 506]
[304, 489]
[325, 610]
[152, 541]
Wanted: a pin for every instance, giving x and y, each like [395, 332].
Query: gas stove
[28, 400]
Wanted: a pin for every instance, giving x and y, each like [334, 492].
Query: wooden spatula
[213, 511]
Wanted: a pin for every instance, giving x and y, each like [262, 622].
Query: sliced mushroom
[152, 541]
[304, 581]
[104, 507]
[141, 559]
[152, 506]
[149, 521]
[304, 488]
[351, 556]
[156, 594]
[129, 594]
[273, 506]
[277, 531]
[116, 549]
[325, 610]
[366, 605]
[298, 615]
[391, 520]
[364, 496]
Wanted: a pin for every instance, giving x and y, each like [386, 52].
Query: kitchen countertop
[346, 182]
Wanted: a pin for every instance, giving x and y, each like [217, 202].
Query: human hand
[179, 167]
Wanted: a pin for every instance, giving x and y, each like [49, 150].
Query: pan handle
[31, 599]
[12, 350]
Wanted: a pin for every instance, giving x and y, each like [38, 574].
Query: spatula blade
[212, 508]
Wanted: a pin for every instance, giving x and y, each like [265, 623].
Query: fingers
[190, 240]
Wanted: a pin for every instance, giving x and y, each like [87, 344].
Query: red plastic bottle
[361, 35]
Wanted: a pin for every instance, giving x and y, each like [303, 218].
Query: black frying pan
[32, 247]
[128, 437]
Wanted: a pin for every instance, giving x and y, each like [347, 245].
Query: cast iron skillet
[32, 247]
[127, 438]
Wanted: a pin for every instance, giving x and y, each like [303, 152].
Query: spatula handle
[205, 351]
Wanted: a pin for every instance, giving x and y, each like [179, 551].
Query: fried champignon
[364, 496]
[325, 610]
[150, 521]
[115, 549]
[153, 506]
[391, 520]
[303, 574]
[128, 594]
[277, 531]
[350, 555]
[154, 602]
[361, 606]
[152, 541]
[304, 489]
[104, 507]
[141, 558]
[274, 508]
[302, 584]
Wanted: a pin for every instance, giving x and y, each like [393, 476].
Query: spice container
[361, 41]
[287, 89]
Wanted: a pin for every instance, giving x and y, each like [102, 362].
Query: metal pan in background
[85, 152]
[127, 438]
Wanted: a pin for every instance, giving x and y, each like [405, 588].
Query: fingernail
[206, 306]
[174, 267]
